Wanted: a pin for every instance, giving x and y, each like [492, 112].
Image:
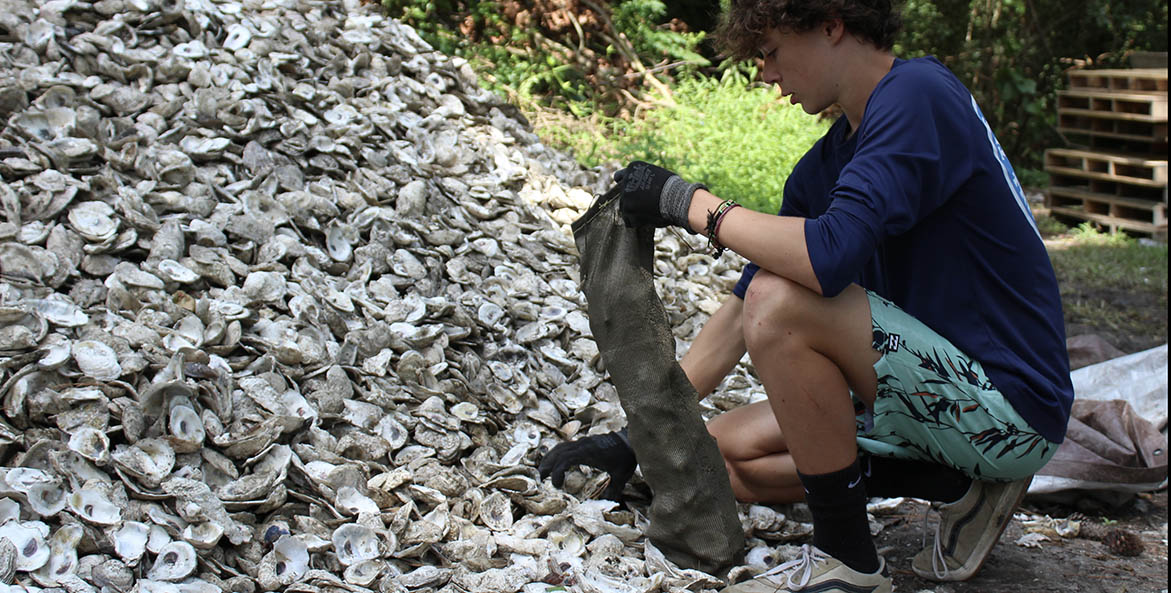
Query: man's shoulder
[926, 68]
[917, 85]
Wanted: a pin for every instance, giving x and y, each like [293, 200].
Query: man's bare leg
[755, 453]
[810, 351]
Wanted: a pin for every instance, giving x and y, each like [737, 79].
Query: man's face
[800, 64]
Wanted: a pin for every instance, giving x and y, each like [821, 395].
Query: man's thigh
[836, 327]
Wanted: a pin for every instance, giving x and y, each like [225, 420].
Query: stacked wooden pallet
[1116, 176]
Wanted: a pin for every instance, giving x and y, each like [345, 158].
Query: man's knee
[723, 429]
[774, 308]
[746, 433]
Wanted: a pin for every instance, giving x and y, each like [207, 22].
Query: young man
[901, 304]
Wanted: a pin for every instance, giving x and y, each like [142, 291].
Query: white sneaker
[816, 572]
[967, 530]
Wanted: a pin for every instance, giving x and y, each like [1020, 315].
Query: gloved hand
[610, 452]
[654, 196]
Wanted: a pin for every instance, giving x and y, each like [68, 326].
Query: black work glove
[654, 196]
[610, 452]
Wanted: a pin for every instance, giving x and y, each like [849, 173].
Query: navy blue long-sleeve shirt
[922, 207]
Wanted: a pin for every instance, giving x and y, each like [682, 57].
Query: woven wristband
[713, 224]
[720, 219]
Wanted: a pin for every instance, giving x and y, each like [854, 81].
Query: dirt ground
[1069, 564]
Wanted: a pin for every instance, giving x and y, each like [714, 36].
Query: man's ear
[834, 29]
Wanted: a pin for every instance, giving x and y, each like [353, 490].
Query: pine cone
[1094, 531]
[1123, 542]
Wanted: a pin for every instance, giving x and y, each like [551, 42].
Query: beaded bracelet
[714, 220]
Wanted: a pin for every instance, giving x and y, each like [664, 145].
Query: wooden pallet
[1138, 80]
[1107, 167]
[1143, 218]
[1128, 106]
[1087, 124]
[1070, 200]
[1109, 188]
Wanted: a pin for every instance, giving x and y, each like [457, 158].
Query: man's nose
[770, 76]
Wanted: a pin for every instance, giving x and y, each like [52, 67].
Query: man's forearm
[775, 243]
[716, 349]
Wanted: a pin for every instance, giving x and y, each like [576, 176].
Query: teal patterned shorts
[935, 403]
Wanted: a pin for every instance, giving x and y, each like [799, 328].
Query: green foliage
[580, 71]
[1049, 226]
[740, 141]
[634, 19]
[1013, 54]
[1032, 178]
[1087, 234]
[1109, 260]
[1113, 283]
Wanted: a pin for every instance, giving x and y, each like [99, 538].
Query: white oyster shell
[29, 539]
[97, 360]
[130, 541]
[94, 507]
[354, 543]
[90, 443]
[174, 562]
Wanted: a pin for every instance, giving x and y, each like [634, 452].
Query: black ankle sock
[837, 501]
[887, 478]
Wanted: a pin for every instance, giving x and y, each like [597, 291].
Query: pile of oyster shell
[287, 301]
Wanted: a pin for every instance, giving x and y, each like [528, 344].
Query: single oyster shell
[94, 507]
[350, 501]
[265, 287]
[286, 564]
[239, 36]
[496, 512]
[186, 426]
[466, 411]
[175, 562]
[365, 572]
[204, 536]
[47, 500]
[113, 574]
[354, 543]
[339, 242]
[90, 443]
[97, 360]
[32, 551]
[94, 221]
[130, 541]
[63, 556]
[148, 460]
[174, 271]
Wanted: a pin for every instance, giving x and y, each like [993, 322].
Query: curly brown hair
[743, 25]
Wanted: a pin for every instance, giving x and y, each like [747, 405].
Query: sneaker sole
[982, 549]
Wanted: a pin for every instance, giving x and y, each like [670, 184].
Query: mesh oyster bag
[693, 518]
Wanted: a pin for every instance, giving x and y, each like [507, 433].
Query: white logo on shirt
[1006, 167]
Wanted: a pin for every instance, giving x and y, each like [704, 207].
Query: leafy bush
[1013, 54]
[741, 141]
[584, 59]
